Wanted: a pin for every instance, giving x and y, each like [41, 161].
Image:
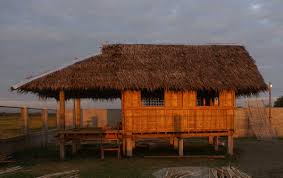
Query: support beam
[44, 117]
[181, 147]
[210, 140]
[62, 109]
[230, 145]
[25, 120]
[129, 147]
[216, 143]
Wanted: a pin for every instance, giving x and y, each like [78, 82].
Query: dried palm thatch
[144, 66]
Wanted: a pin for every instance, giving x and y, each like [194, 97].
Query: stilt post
[230, 145]
[129, 146]
[181, 147]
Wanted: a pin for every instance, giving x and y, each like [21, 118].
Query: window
[152, 98]
[207, 98]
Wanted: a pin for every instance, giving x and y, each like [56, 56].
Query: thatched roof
[144, 66]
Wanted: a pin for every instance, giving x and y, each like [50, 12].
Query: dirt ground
[260, 158]
[257, 158]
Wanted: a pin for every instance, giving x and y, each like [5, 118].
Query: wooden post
[175, 143]
[230, 144]
[44, 117]
[181, 147]
[62, 109]
[129, 147]
[210, 140]
[216, 143]
[78, 112]
[74, 115]
[62, 123]
[24, 116]
[58, 115]
[25, 119]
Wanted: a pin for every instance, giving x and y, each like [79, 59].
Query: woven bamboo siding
[178, 115]
[173, 99]
[189, 99]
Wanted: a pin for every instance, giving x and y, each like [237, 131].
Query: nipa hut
[167, 91]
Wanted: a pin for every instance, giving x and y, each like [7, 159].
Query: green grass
[40, 161]
[11, 125]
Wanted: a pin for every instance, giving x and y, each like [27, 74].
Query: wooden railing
[158, 119]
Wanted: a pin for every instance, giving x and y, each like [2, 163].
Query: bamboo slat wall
[179, 113]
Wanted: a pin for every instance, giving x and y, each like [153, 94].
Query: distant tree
[279, 102]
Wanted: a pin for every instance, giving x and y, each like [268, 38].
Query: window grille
[152, 98]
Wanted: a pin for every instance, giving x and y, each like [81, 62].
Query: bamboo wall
[179, 113]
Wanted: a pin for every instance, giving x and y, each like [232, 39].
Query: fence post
[44, 117]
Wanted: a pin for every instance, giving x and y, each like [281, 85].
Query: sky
[41, 35]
